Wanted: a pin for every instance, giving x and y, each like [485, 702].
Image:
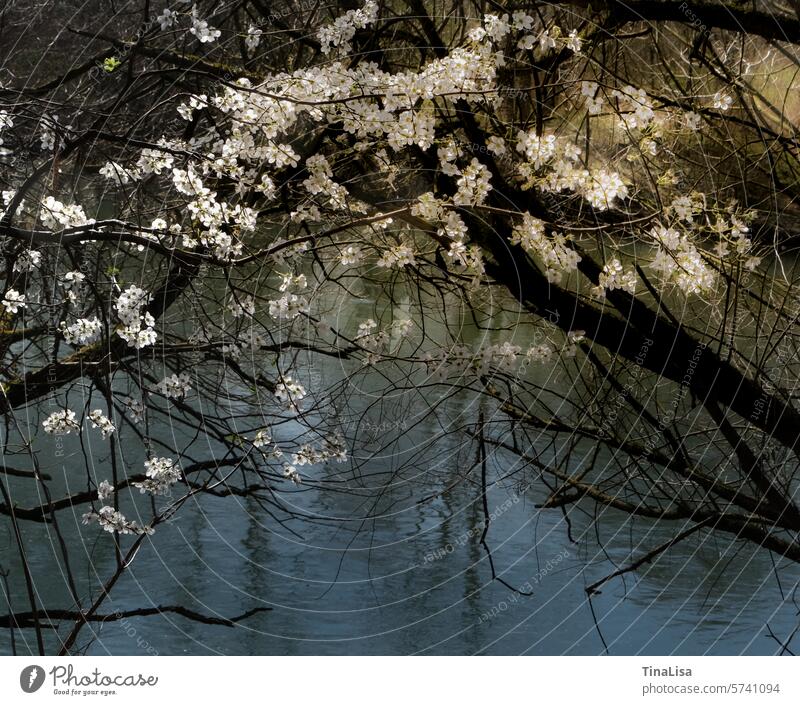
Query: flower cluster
[504, 357]
[13, 301]
[350, 255]
[344, 27]
[594, 101]
[114, 522]
[319, 181]
[557, 257]
[73, 281]
[6, 121]
[216, 220]
[722, 101]
[332, 449]
[636, 108]
[83, 332]
[397, 257]
[553, 164]
[117, 173]
[161, 474]
[262, 438]
[684, 208]
[105, 490]
[679, 261]
[252, 38]
[497, 27]
[288, 306]
[55, 214]
[574, 338]
[603, 188]
[289, 391]
[242, 306]
[47, 135]
[290, 473]
[135, 409]
[101, 421]
[153, 161]
[613, 277]
[175, 386]
[61, 423]
[202, 30]
[137, 327]
[27, 261]
[473, 185]
[167, 19]
[438, 212]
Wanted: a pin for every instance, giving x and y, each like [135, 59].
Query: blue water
[385, 558]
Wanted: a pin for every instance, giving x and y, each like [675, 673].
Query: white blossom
[289, 391]
[557, 257]
[253, 38]
[83, 332]
[27, 261]
[722, 101]
[137, 327]
[366, 328]
[262, 438]
[202, 30]
[573, 42]
[161, 474]
[175, 386]
[114, 521]
[54, 214]
[288, 307]
[290, 473]
[13, 301]
[73, 281]
[679, 261]
[116, 172]
[473, 186]
[350, 255]
[242, 306]
[613, 277]
[61, 423]
[397, 257]
[101, 421]
[605, 188]
[167, 19]
[343, 29]
[104, 490]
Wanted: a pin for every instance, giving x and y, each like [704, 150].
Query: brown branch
[24, 620]
[648, 557]
[40, 513]
[16, 472]
[702, 16]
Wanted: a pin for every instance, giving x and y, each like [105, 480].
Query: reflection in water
[412, 577]
[381, 595]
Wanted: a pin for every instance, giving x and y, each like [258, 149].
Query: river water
[411, 579]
